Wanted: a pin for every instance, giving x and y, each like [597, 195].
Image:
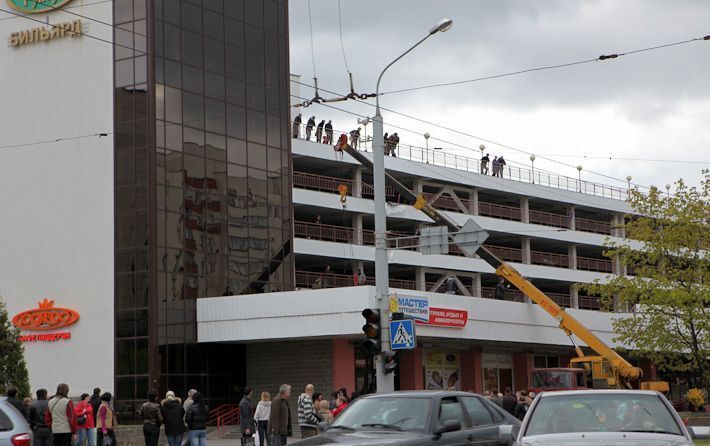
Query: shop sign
[418, 309]
[36, 6]
[46, 33]
[44, 318]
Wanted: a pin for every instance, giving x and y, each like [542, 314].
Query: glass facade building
[202, 183]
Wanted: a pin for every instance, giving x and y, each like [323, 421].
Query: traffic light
[391, 362]
[372, 331]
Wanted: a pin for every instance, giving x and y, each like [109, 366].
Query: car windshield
[549, 379]
[397, 413]
[601, 412]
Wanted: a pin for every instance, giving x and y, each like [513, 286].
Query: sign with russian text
[418, 309]
[46, 33]
[45, 317]
[36, 6]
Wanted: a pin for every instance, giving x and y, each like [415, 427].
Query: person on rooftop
[386, 140]
[394, 140]
[297, 125]
[484, 164]
[319, 131]
[329, 132]
[355, 138]
[495, 166]
[309, 127]
[501, 166]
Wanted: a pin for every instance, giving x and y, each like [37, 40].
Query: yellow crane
[605, 370]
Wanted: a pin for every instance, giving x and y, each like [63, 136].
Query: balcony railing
[316, 280]
[438, 157]
[405, 240]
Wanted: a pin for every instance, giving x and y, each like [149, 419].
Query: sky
[611, 117]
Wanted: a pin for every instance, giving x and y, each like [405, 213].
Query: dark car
[417, 418]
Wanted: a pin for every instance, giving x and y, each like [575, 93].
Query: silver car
[14, 430]
[602, 417]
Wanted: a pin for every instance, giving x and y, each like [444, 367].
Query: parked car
[14, 430]
[607, 417]
[417, 418]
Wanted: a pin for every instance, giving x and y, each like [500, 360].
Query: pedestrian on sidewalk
[188, 401]
[86, 432]
[307, 419]
[173, 417]
[324, 411]
[152, 418]
[12, 398]
[38, 413]
[509, 401]
[262, 415]
[246, 415]
[61, 416]
[196, 418]
[341, 404]
[280, 418]
[105, 422]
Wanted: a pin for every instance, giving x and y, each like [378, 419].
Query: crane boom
[568, 324]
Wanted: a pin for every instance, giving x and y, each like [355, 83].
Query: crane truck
[604, 370]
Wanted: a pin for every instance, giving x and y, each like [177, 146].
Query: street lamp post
[579, 172]
[385, 383]
[426, 138]
[532, 167]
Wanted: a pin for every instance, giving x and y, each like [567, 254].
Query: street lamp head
[668, 186]
[532, 157]
[426, 135]
[628, 178]
[579, 168]
[444, 25]
[482, 147]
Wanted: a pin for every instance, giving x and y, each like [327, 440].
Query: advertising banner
[442, 371]
[418, 309]
[415, 307]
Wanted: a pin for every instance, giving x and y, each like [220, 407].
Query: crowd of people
[515, 404]
[324, 134]
[58, 421]
[497, 165]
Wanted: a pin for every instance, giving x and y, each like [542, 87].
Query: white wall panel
[57, 198]
[336, 312]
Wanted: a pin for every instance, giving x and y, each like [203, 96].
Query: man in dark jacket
[152, 418]
[11, 395]
[509, 401]
[38, 411]
[500, 289]
[329, 132]
[280, 418]
[246, 414]
[95, 400]
[173, 417]
[309, 127]
[196, 418]
[296, 125]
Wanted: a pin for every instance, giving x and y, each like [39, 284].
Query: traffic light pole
[385, 383]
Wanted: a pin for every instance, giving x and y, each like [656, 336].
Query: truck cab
[557, 378]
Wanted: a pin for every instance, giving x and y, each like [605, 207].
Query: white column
[525, 210]
[526, 254]
[473, 201]
[572, 253]
[477, 285]
[421, 278]
[357, 180]
[357, 229]
[571, 217]
[573, 296]
[418, 186]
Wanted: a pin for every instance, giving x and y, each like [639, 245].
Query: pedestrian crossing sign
[402, 335]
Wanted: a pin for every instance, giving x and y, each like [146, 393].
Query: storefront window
[442, 371]
[497, 371]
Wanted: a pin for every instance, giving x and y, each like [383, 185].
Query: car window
[406, 413]
[5, 423]
[450, 409]
[477, 412]
[602, 412]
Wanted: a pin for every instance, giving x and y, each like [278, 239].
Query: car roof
[420, 393]
[598, 391]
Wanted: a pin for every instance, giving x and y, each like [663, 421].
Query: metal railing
[439, 157]
[316, 280]
[406, 240]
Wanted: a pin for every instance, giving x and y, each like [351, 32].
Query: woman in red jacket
[85, 431]
[340, 406]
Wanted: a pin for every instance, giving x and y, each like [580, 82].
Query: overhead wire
[48, 141]
[490, 141]
[313, 54]
[490, 182]
[549, 67]
[342, 46]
